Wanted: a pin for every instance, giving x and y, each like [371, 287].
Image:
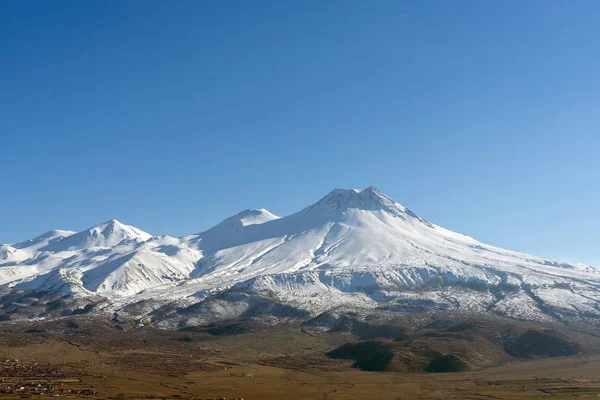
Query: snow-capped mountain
[34, 245]
[107, 234]
[230, 231]
[356, 249]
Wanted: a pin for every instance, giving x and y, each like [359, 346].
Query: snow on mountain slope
[9, 253]
[351, 248]
[107, 234]
[34, 245]
[230, 231]
[120, 273]
[350, 230]
[353, 243]
[132, 273]
[111, 259]
[25, 259]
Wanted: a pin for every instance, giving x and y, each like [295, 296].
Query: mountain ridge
[352, 247]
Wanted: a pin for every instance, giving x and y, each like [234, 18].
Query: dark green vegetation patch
[542, 343]
[446, 363]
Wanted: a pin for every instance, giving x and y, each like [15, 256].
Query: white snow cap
[350, 242]
[250, 217]
[107, 234]
[369, 199]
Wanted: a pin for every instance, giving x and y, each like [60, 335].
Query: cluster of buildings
[27, 380]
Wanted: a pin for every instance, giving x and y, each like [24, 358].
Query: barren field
[85, 358]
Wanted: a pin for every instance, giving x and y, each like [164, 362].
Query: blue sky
[483, 117]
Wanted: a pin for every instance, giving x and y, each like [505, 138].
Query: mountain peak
[231, 230]
[249, 217]
[43, 239]
[54, 233]
[106, 234]
[114, 227]
[373, 193]
[369, 199]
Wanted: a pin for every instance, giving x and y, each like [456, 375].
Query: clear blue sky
[482, 116]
